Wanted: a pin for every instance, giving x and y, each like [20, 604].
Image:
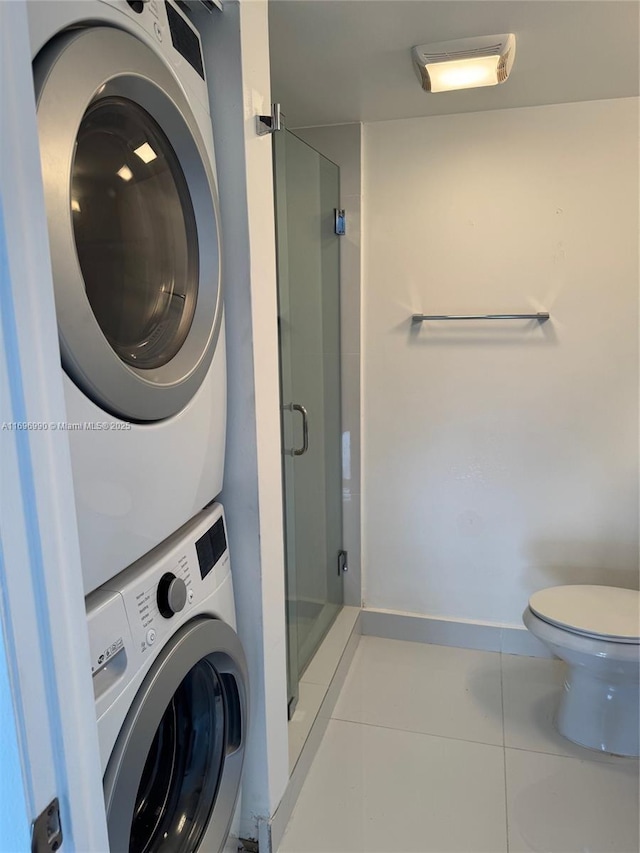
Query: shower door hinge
[269, 124]
[291, 707]
[342, 562]
[46, 830]
[340, 226]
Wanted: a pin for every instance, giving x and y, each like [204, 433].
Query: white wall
[236, 55]
[500, 458]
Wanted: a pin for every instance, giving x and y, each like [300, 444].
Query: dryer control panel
[174, 36]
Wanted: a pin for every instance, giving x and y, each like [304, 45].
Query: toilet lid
[600, 611]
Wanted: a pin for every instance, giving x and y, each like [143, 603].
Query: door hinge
[340, 226]
[46, 829]
[291, 707]
[342, 562]
[269, 124]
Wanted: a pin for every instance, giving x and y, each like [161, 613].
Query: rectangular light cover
[464, 63]
[125, 173]
[145, 152]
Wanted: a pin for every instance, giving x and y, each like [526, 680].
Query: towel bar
[541, 316]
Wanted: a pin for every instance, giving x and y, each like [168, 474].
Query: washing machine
[172, 696]
[130, 191]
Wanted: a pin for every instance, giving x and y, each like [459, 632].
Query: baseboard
[508, 639]
[272, 836]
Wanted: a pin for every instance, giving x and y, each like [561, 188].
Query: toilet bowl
[596, 631]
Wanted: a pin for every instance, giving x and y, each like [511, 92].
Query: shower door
[307, 188]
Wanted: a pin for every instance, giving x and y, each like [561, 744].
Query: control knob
[171, 595]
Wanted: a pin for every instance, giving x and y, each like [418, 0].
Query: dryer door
[173, 778]
[133, 223]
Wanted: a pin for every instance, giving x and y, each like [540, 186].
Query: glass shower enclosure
[307, 191]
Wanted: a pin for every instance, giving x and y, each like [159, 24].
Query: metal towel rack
[541, 316]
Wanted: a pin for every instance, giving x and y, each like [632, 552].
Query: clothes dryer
[172, 696]
[130, 191]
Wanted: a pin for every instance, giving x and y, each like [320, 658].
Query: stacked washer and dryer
[130, 192]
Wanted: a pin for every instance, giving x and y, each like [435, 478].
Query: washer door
[133, 223]
[173, 778]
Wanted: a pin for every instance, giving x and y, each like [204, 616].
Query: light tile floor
[433, 749]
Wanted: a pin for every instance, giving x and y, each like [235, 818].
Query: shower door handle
[300, 451]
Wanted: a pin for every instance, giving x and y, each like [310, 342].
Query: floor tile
[531, 690]
[325, 661]
[309, 700]
[378, 790]
[563, 805]
[418, 687]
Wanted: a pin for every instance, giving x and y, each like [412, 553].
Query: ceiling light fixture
[125, 173]
[464, 63]
[145, 152]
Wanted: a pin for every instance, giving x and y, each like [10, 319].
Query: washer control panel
[161, 590]
[157, 597]
[132, 616]
[110, 641]
[171, 595]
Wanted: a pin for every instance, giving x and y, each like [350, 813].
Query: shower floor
[433, 749]
[314, 619]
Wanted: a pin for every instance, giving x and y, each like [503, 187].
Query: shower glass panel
[307, 190]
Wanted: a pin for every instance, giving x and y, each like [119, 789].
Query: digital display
[184, 40]
[211, 547]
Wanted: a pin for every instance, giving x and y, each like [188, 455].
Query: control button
[151, 636]
[157, 30]
[172, 595]
[190, 596]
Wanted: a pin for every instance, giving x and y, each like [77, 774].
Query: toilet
[596, 631]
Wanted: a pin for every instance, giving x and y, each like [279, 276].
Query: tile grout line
[413, 732]
[619, 760]
[502, 746]
[504, 755]
[596, 758]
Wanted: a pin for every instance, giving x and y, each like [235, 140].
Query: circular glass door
[182, 771]
[135, 232]
[173, 778]
[133, 219]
